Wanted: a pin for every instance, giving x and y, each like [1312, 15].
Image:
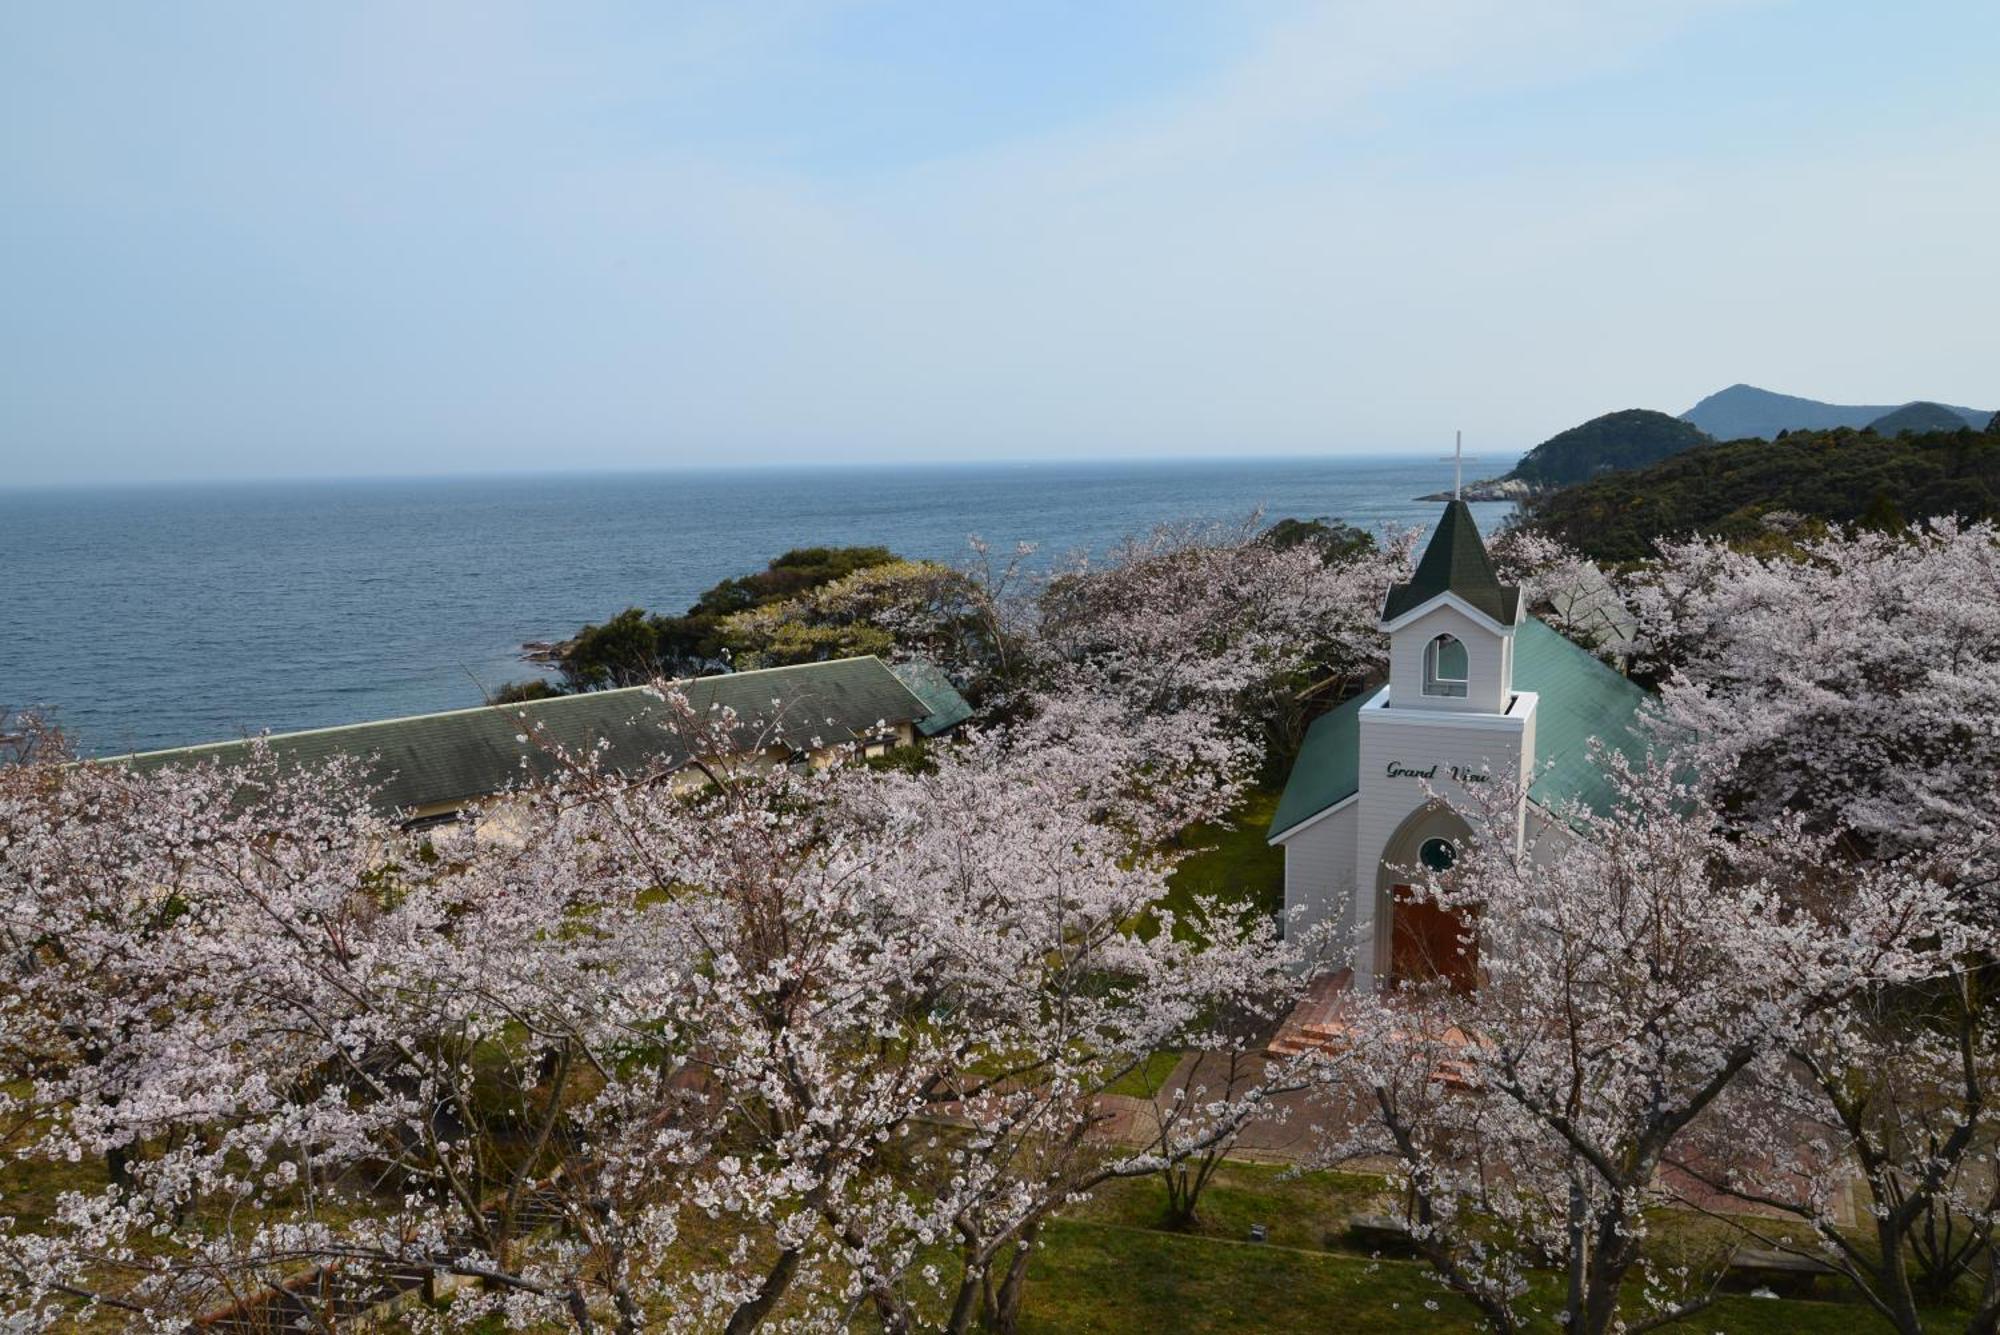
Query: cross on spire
[1457, 461]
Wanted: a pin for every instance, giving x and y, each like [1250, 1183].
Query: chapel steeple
[1455, 562]
[1451, 625]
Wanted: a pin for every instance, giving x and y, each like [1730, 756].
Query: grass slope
[1109, 1268]
[1231, 861]
[1108, 1278]
[1116, 1280]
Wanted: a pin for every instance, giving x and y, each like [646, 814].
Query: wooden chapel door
[1424, 943]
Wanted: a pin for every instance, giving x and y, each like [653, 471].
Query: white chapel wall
[1425, 754]
[1408, 760]
[1319, 879]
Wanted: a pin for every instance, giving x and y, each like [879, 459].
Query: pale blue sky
[271, 239]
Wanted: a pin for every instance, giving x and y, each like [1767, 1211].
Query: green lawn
[1230, 860]
[1108, 1277]
[1112, 1278]
[1109, 1268]
[1144, 1080]
[1298, 1209]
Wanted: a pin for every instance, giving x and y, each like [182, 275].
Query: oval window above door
[1437, 854]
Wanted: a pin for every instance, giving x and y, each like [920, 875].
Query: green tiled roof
[1328, 769]
[468, 754]
[928, 683]
[1580, 698]
[1455, 562]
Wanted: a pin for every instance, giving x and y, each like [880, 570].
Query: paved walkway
[1299, 1125]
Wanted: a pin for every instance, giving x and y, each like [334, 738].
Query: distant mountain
[1841, 476]
[1917, 418]
[1743, 411]
[1629, 439]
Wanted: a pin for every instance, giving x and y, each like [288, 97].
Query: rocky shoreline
[1492, 489]
[544, 653]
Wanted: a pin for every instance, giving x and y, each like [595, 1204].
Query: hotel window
[1445, 667]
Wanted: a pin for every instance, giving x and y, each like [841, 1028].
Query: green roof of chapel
[1580, 698]
[1455, 562]
[1328, 768]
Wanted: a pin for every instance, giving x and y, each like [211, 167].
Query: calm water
[161, 616]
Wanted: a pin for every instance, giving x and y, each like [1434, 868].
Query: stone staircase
[1319, 1024]
[1316, 1023]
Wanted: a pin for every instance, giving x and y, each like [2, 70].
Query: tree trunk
[1186, 1182]
[1004, 1318]
[1985, 1318]
[965, 1306]
[751, 1314]
[1899, 1300]
[1181, 1198]
[631, 1319]
[1613, 1253]
[579, 1310]
[1579, 1245]
[895, 1318]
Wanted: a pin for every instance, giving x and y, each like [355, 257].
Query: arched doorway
[1426, 941]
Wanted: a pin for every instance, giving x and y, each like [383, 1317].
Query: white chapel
[1479, 692]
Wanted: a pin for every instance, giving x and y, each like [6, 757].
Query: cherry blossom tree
[1634, 965]
[1566, 589]
[1853, 680]
[959, 984]
[1090, 1000]
[336, 1045]
[1886, 1103]
[1194, 1121]
[1196, 651]
[832, 1018]
[1218, 614]
[26, 735]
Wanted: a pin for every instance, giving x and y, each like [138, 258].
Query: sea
[141, 617]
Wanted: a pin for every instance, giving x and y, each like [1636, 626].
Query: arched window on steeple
[1445, 667]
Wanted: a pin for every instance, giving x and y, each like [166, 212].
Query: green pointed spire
[1455, 562]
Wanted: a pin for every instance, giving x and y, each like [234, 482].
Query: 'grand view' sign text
[1459, 773]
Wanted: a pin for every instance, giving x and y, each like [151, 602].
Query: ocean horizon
[148, 615]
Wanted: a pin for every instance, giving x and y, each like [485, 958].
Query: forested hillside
[1629, 439]
[1917, 418]
[1842, 476]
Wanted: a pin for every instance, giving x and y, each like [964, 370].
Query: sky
[266, 240]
